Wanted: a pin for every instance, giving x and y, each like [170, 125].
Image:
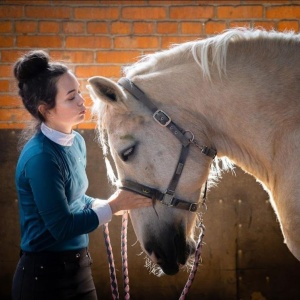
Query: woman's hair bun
[31, 65]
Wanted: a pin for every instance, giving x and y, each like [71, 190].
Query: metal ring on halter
[189, 135]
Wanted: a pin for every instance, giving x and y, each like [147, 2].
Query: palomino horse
[236, 93]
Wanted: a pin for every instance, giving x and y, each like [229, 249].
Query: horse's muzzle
[170, 254]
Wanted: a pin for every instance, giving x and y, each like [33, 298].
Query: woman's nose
[81, 100]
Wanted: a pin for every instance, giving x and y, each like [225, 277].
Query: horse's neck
[249, 127]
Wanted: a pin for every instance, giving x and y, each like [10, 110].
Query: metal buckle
[164, 120]
[168, 198]
[209, 151]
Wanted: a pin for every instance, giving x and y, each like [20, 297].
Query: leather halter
[185, 137]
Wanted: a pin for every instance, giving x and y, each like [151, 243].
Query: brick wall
[99, 37]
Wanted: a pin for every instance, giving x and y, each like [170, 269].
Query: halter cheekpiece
[184, 136]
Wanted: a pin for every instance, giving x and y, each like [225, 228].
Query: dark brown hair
[37, 77]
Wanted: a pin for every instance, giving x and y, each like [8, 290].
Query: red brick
[14, 125]
[144, 13]
[283, 12]
[168, 41]
[48, 12]
[49, 27]
[120, 57]
[14, 115]
[5, 26]
[212, 27]
[99, 42]
[192, 12]
[89, 71]
[288, 25]
[167, 27]
[97, 27]
[11, 11]
[136, 42]
[240, 24]
[268, 25]
[73, 57]
[73, 27]
[6, 41]
[240, 12]
[143, 27]
[88, 126]
[6, 70]
[4, 86]
[192, 28]
[39, 41]
[96, 13]
[26, 26]
[120, 28]
[8, 100]
[10, 56]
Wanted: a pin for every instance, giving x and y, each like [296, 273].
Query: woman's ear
[42, 109]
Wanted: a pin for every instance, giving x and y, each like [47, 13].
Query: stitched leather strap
[157, 195]
[159, 116]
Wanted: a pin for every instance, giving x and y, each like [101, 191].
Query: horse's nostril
[149, 249]
[158, 257]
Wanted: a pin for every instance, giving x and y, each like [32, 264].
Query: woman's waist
[68, 255]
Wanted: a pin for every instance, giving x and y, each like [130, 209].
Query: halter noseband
[185, 137]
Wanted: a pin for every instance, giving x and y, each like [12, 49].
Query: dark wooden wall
[243, 258]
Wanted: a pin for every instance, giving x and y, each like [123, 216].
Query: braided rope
[195, 265]
[110, 257]
[112, 273]
[124, 255]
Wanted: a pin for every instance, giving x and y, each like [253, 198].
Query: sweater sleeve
[47, 184]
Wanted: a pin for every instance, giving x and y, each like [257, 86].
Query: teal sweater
[51, 182]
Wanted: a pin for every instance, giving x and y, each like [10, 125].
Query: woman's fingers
[126, 200]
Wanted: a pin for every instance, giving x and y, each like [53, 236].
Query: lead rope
[112, 272]
[198, 249]
[124, 255]
[196, 263]
[111, 263]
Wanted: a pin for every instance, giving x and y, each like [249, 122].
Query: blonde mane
[207, 52]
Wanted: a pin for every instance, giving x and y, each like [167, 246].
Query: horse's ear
[105, 90]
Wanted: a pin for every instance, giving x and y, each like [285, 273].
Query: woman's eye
[72, 97]
[127, 153]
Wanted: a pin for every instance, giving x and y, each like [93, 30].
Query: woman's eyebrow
[70, 91]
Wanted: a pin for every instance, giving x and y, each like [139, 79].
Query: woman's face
[69, 107]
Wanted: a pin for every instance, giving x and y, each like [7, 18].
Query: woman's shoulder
[38, 145]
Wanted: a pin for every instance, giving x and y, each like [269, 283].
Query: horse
[230, 99]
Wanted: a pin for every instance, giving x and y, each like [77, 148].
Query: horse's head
[147, 153]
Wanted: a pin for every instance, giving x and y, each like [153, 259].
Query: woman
[55, 214]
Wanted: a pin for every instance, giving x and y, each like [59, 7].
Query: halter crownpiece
[186, 137]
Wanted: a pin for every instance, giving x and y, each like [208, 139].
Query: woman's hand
[125, 200]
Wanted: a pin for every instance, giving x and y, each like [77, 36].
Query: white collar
[63, 139]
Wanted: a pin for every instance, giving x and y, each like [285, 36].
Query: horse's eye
[127, 152]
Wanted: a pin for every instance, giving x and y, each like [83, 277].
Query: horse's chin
[183, 260]
[170, 269]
